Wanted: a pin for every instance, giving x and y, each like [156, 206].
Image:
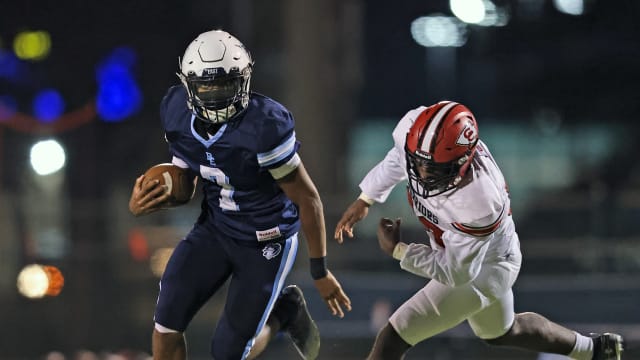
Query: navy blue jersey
[241, 198]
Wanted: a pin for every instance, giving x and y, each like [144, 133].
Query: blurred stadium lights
[494, 16]
[47, 157]
[570, 7]
[48, 105]
[439, 31]
[469, 11]
[36, 281]
[479, 12]
[118, 93]
[32, 45]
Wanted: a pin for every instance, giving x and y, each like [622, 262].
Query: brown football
[177, 180]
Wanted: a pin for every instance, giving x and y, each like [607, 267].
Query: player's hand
[147, 197]
[332, 294]
[388, 234]
[357, 211]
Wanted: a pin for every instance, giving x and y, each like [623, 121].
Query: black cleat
[302, 330]
[607, 346]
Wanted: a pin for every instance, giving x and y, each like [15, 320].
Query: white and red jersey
[468, 225]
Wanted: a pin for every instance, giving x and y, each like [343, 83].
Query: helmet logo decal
[210, 71]
[467, 136]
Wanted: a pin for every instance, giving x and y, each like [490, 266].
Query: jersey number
[226, 193]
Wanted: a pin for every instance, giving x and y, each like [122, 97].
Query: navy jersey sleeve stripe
[282, 152]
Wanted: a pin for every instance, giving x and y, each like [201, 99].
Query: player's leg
[498, 324]
[432, 310]
[534, 332]
[292, 316]
[257, 281]
[168, 345]
[197, 268]
[388, 345]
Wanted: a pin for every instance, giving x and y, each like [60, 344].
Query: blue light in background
[12, 68]
[8, 107]
[48, 105]
[118, 93]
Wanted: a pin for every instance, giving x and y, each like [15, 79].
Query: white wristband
[400, 250]
[366, 199]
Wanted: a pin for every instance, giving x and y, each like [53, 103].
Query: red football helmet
[439, 147]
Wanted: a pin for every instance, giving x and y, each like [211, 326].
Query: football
[175, 178]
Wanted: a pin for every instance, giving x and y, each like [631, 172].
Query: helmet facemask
[216, 99]
[429, 178]
[439, 148]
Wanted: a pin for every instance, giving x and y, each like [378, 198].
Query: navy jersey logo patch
[212, 161]
[271, 250]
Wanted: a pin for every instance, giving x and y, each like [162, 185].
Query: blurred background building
[555, 85]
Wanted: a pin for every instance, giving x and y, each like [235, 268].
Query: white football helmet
[216, 71]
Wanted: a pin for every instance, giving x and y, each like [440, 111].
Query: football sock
[583, 349]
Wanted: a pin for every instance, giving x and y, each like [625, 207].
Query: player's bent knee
[508, 337]
[164, 330]
[499, 341]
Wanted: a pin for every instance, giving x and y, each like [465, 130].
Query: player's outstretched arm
[357, 211]
[299, 187]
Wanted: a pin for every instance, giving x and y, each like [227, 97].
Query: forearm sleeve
[383, 177]
[456, 264]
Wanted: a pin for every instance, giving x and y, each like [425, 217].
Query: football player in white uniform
[459, 194]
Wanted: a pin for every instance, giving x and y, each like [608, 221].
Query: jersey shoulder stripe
[283, 151]
[479, 231]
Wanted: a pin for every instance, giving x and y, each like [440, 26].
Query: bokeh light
[118, 93]
[32, 45]
[47, 157]
[469, 11]
[36, 281]
[48, 105]
[570, 7]
[437, 30]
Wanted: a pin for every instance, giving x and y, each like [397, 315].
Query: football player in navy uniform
[459, 194]
[257, 196]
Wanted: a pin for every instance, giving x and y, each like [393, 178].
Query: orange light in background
[138, 247]
[56, 280]
[32, 45]
[36, 281]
